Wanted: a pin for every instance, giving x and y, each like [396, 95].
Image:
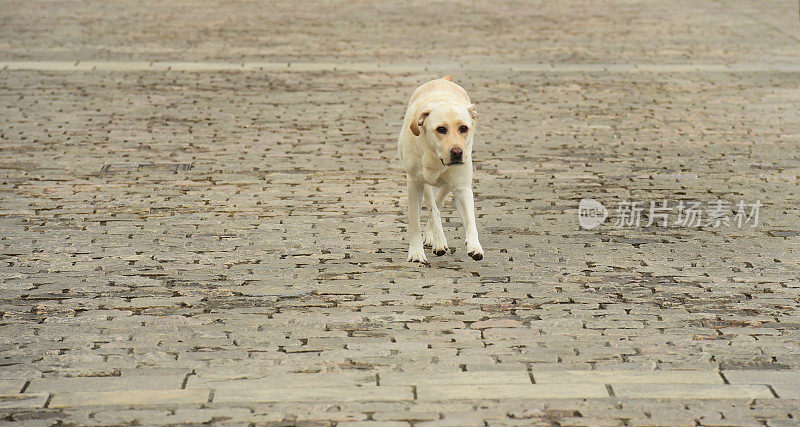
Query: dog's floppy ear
[473, 112]
[418, 121]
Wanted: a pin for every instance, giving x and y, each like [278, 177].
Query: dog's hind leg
[443, 192]
[428, 234]
[434, 233]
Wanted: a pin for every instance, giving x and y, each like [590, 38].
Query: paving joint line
[772, 390]
[48, 400]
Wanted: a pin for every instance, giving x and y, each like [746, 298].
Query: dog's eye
[442, 130]
[463, 129]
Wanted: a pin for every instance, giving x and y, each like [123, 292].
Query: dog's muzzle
[456, 156]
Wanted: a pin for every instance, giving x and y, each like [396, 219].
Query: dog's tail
[448, 77]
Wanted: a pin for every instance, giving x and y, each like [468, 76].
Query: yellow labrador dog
[436, 150]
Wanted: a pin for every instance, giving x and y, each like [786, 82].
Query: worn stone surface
[130, 398]
[219, 236]
[11, 386]
[91, 384]
[277, 393]
[692, 391]
[510, 391]
[762, 377]
[23, 400]
[627, 377]
[455, 378]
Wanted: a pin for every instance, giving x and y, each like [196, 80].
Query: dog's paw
[416, 255]
[441, 250]
[436, 241]
[439, 246]
[475, 250]
[427, 236]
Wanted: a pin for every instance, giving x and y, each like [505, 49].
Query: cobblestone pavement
[228, 246]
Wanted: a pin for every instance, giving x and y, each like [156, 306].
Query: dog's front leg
[415, 251]
[466, 208]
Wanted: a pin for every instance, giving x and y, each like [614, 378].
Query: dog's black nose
[455, 154]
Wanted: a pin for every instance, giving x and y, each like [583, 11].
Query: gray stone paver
[278, 393]
[455, 378]
[509, 391]
[79, 384]
[692, 391]
[130, 398]
[266, 283]
[627, 377]
[762, 377]
[23, 400]
[11, 386]
[292, 380]
[787, 390]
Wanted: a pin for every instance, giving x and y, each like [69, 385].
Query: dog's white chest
[431, 170]
[433, 176]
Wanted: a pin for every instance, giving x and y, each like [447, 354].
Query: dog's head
[448, 130]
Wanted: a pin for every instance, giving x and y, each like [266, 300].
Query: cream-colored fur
[428, 158]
